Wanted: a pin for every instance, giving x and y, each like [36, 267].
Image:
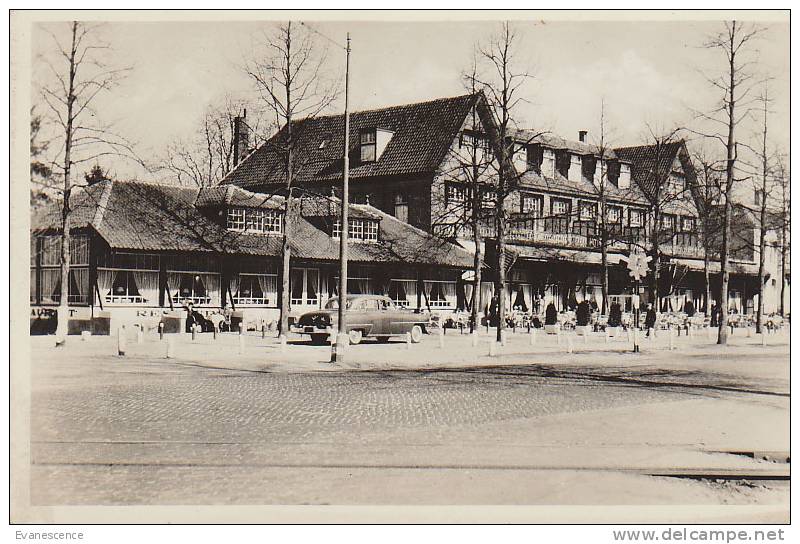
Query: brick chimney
[582, 135]
[241, 138]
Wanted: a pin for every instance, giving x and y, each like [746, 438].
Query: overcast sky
[647, 72]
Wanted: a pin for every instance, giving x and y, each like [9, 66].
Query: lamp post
[338, 347]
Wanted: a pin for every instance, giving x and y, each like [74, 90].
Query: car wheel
[416, 334]
[383, 339]
[319, 339]
[355, 337]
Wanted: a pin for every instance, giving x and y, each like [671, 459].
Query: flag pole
[339, 346]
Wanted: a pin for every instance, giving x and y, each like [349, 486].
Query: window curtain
[428, 287]
[233, 284]
[80, 282]
[410, 288]
[527, 296]
[147, 283]
[269, 286]
[365, 286]
[174, 285]
[212, 284]
[487, 291]
[105, 280]
[448, 289]
[469, 288]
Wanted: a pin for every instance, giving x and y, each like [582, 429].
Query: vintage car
[367, 315]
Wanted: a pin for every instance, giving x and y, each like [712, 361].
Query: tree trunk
[476, 290]
[500, 281]
[783, 269]
[656, 258]
[63, 303]
[286, 255]
[762, 247]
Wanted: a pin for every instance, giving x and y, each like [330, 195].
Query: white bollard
[85, 335]
[763, 339]
[241, 344]
[408, 340]
[749, 332]
[140, 335]
[608, 338]
[475, 339]
[636, 337]
[630, 334]
[492, 347]
[503, 337]
[569, 344]
[283, 343]
[671, 340]
[441, 338]
[558, 336]
[121, 341]
[651, 333]
[331, 336]
[533, 337]
[170, 347]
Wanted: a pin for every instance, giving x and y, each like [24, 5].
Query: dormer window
[575, 168]
[359, 230]
[254, 220]
[368, 146]
[624, 179]
[549, 163]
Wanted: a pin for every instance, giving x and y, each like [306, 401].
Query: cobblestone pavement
[164, 432]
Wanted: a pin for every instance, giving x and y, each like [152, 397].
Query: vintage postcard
[441, 267]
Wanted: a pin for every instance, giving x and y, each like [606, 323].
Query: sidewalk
[745, 355]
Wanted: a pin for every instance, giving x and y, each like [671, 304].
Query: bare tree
[783, 179]
[80, 73]
[736, 85]
[707, 196]
[763, 190]
[207, 156]
[502, 85]
[289, 73]
[662, 194]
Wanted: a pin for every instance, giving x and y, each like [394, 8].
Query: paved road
[159, 432]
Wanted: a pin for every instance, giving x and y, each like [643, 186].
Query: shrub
[615, 315]
[583, 314]
[550, 314]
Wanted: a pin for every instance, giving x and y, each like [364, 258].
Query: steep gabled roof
[423, 133]
[149, 217]
[649, 163]
[557, 142]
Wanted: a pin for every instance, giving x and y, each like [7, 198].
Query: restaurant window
[614, 215]
[455, 194]
[636, 218]
[361, 230]
[559, 206]
[259, 289]
[688, 224]
[531, 203]
[588, 210]
[254, 220]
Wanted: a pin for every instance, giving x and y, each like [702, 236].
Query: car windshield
[333, 304]
[357, 303]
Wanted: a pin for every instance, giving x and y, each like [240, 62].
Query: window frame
[368, 140]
